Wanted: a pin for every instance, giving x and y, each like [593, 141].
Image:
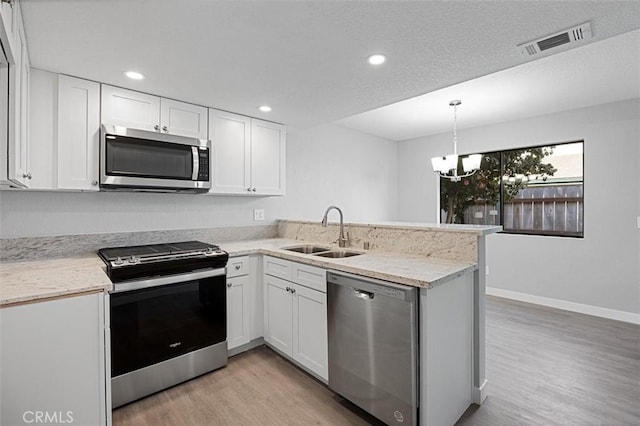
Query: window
[537, 190]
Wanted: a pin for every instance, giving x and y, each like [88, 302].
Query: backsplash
[442, 243]
[30, 248]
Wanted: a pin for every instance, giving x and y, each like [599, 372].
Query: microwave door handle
[196, 163]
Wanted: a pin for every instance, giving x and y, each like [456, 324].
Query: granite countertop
[22, 282]
[417, 271]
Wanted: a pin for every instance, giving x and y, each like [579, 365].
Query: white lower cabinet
[278, 311]
[53, 362]
[240, 287]
[295, 316]
[310, 341]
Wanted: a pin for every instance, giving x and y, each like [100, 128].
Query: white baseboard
[596, 311]
[478, 395]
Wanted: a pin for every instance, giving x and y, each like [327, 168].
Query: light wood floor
[545, 367]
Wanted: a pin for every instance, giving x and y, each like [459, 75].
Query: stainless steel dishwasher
[373, 345]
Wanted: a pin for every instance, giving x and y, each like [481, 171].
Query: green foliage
[484, 186]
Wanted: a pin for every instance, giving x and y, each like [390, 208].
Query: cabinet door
[310, 341]
[78, 133]
[267, 158]
[8, 14]
[122, 107]
[278, 313]
[238, 292]
[53, 360]
[43, 106]
[230, 158]
[18, 148]
[180, 118]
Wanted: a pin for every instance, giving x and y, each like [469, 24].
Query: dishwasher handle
[366, 295]
[372, 286]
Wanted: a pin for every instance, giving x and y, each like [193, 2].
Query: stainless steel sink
[307, 249]
[337, 254]
[321, 251]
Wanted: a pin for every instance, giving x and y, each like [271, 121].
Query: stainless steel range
[168, 315]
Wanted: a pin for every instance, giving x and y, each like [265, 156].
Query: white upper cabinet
[64, 131]
[128, 108]
[267, 158]
[78, 133]
[122, 107]
[180, 118]
[230, 136]
[248, 155]
[17, 169]
[8, 16]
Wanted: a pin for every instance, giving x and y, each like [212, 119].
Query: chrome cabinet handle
[27, 176]
[293, 290]
[238, 267]
[288, 289]
[253, 189]
[229, 285]
[165, 129]
[94, 182]
[249, 189]
[156, 128]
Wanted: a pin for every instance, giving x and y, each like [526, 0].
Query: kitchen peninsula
[442, 261]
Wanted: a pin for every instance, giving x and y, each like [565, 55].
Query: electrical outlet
[486, 269]
[258, 214]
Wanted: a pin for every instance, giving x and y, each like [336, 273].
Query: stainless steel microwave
[140, 160]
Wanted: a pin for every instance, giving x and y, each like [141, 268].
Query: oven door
[154, 321]
[132, 158]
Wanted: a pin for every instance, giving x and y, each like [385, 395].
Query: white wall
[601, 270]
[325, 165]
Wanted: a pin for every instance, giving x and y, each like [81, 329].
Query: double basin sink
[322, 251]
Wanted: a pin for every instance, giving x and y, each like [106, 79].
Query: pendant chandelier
[447, 166]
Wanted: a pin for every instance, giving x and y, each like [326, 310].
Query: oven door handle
[165, 280]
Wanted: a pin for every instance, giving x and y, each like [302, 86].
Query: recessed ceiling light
[133, 75]
[376, 59]
[265, 108]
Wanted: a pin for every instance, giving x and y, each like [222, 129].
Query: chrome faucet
[341, 239]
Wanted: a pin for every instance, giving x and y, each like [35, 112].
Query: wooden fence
[548, 210]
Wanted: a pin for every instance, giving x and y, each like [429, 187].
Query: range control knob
[133, 259]
[118, 261]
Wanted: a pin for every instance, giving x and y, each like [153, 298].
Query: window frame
[541, 233]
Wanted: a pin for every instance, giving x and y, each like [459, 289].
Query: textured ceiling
[597, 73]
[306, 59]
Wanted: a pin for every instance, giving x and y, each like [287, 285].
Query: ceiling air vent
[571, 35]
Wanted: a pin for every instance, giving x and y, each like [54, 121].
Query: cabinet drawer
[237, 266]
[309, 276]
[277, 267]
